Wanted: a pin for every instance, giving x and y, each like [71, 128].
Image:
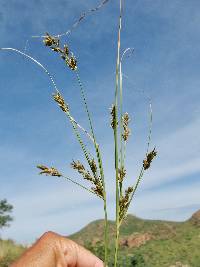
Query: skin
[53, 250]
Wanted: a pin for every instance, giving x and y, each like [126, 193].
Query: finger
[86, 259]
[78, 256]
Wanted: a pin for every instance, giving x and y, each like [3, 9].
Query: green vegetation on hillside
[144, 243]
[148, 243]
[9, 251]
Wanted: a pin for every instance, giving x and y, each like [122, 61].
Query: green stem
[142, 168]
[105, 232]
[136, 185]
[98, 154]
[116, 139]
[105, 210]
[80, 185]
[85, 103]
[78, 137]
[117, 244]
[121, 126]
[105, 204]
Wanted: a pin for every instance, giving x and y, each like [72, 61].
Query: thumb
[78, 256]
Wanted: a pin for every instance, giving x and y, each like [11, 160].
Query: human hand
[53, 250]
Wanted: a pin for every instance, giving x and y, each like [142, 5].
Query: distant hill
[147, 243]
[161, 243]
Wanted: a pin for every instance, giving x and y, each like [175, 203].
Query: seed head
[126, 119]
[124, 203]
[50, 40]
[149, 159]
[93, 166]
[49, 171]
[127, 131]
[113, 119]
[77, 165]
[54, 44]
[61, 102]
[121, 174]
[66, 50]
[129, 190]
[98, 189]
[72, 63]
[56, 49]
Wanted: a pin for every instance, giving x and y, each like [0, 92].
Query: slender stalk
[105, 206]
[121, 126]
[98, 154]
[80, 127]
[105, 231]
[33, 60]
[122, 142]
[80, 185]
[105, 212]
[147, 151]
[137, 183]
[77, 22]
[86, 154]
[116, 138]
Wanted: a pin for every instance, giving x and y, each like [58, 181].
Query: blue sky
[165, 36]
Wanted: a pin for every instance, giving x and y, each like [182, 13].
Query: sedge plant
[94, 171]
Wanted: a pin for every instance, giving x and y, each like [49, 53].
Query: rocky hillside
[161, 243]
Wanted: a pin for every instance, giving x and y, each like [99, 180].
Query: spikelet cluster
[51, 41]
[127, 131]
[113, 119]
[121, 174]
[64, 52]
[61, 102]
[124, 202]
[93, 178]
[49, 171]
[149, 158]
[93, 167]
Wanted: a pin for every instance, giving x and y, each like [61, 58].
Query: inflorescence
[93, 178]
[49, 171]
[66, 55]
[149, 158]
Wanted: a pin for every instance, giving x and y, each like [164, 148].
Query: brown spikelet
[49, 171]
[149, 159]
[54, 44]
[56, 49]
[124, 203]
[113, 119]
[72, 63]
[97, 187]
[66, 50]
[50, 40]
[121, 174]
[127, 131]
[77, 165]
[61, 102]
[93, 167]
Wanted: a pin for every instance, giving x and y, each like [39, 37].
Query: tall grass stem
[116, 137]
